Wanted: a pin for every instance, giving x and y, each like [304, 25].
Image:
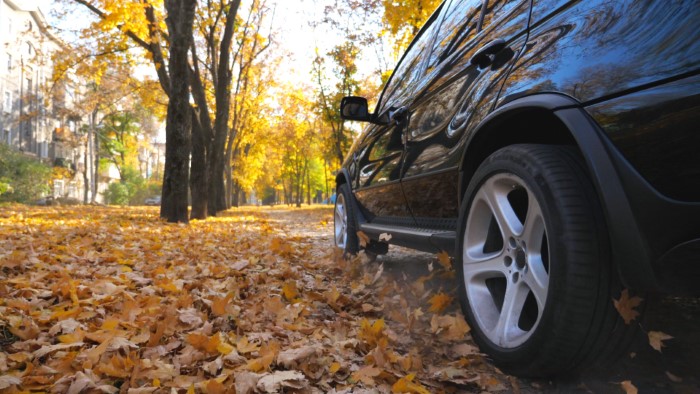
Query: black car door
[478, 42]
[379, 158]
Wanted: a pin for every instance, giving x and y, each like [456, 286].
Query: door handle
[398, 115]
[485, 55]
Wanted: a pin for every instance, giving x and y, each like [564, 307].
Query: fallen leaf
[290, 291]
[8, 381]
[366, 375]
[406, 385]
[656, 339]
[439, 302]
[628, 387]
[625, 306]
[363, 239]
[288, 357]
[279, 380]
[385, 237]
[445, 260]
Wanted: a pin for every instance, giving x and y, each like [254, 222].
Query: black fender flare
[630, 252]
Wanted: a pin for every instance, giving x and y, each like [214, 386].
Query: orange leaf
[439, 302]
[363, 239]
[445, 260]
[625, 306]
[218, 305]
[406, 385]
[290, 292]
[204, 343]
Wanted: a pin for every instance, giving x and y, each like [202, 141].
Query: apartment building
[35, 115]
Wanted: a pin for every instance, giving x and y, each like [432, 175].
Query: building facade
[35, 115]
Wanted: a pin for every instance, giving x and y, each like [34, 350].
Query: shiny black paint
[599, 50]
[662, 148]
[620, 79]
[458, 96]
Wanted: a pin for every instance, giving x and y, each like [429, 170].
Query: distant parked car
[550, 146]
[154, 200]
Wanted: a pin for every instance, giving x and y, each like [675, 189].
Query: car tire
[536, 279]
[344, 222]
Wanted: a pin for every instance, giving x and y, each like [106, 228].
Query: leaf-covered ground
[96, 299]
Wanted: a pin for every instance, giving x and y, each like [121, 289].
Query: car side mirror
[355, 108]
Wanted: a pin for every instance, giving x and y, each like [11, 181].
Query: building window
[6, 136]
[29, 85]
[7, 103]
[9, 62]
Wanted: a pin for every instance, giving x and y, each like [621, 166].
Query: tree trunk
[94, 157]
[179, 119]
[198, 170]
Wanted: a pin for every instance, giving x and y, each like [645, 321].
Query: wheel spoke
[533, 228]
[496, 196]
[537, 280]
[513, 303]
[479, 270]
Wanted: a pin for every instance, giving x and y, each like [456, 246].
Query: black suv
[552, 147]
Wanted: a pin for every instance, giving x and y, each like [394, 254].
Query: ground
[99, 299]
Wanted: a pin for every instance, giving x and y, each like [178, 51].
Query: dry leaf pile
[115, 300]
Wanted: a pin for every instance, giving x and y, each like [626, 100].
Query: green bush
[133, 189]
[117, 194]
[22, 179]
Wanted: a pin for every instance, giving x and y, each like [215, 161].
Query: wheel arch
[343, 176]
[552, 118]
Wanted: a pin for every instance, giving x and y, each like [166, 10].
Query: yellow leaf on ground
[406, 385]
[335, 367]
[625, 306]
[290, 291]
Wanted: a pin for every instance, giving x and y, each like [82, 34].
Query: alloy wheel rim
[506, 260]
[340, 220]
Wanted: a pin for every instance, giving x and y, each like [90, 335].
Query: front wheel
[344, 224]
[536, 278]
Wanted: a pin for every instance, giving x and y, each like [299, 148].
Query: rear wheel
[344, 224]
[536, 280]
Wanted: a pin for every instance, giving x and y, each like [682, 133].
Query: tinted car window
[410, 69]
[459, 25]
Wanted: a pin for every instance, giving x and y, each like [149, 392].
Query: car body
[501, 94]
[153, 200]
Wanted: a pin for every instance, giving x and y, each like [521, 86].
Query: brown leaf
[439, 302]
[445, 260]
[656, 339]
[625, 306]
[385, 237]
[366, 375]
[363, 239]
[628, 387]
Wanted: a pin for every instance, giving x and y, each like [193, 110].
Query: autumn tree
[255, 73]
[403, 20]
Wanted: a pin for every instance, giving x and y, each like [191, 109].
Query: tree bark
[179, 119]
[198, 168]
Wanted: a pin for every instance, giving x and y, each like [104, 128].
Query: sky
[291, 22]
